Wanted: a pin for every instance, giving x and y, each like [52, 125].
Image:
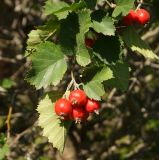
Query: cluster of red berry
[141, 16]
[77, 107]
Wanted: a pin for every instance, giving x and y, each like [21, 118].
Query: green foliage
[121, 76]
[91, 4]
[82, 55]
[67, 35]
[135, 43]
[63, 37]
[7, 83]
[53, 127]
[47, 60]
[94, 90]
[107, 49]
[106, 26]
[123, 7]
[4, 148]
[60, 8]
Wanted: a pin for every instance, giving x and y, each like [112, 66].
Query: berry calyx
[92, 106]
[63, 108]
[142, 16]
[78, 98]
[79, 114]
[130, 18]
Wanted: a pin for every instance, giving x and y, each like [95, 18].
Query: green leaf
[135, 43]
[123, 7]
[94, 90]
[61, 9]
[67, 36]
[51, 25]
[91, 3]
[106, 26]
[48, 65]
[4, 146]
[3, 151]
[53, 128]
[107, 49]
[98, 15]
[7, 83]
[35, 37]
[44, 32]
[82, 55]
[120, 77]
[104, 74]
[54, 95]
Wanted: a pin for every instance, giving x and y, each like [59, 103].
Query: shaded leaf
[135, 43]
[91, 3]
[120, 77]
[107, 49]
[67, 36]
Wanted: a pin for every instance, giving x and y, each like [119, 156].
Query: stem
[110, 4]
[50, 35]
[139, 5]
[76, 86]
[8, 122]
[72, 82]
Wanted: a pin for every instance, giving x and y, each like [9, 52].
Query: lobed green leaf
[135, 43]
[48, 65]
[53, 128]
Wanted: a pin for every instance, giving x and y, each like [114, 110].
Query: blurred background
[128, 125]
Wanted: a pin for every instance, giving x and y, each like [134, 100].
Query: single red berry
[78, 98]
[142, 16]
[92, 106]
[63, 108]
[89, 42]
[79, 114]
[130, 18]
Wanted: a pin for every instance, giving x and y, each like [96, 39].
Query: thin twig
[22, 134]
[76, 85]
[8, 60]
[8, 122]
[110, 4]
[139, 5]
[111, 94]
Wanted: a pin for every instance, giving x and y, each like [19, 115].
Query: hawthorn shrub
[94, 34]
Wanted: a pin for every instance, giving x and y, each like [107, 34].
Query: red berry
[130, 18]
[79, 114]
[92, 106]
[142, 16]
[63, 108]
[89, 42]
[78, 98]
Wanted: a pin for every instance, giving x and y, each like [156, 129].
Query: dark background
[128, 125]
